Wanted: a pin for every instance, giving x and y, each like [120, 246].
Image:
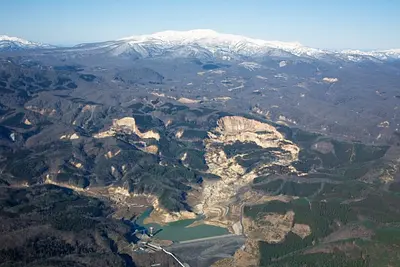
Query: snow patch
[251, 66]
[282, 64]
[330, 80]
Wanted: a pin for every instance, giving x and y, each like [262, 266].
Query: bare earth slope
[298, 156]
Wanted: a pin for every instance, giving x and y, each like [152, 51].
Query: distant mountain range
[293, 150]
[8, 43]
[205, 44]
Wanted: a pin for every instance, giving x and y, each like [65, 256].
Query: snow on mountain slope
[205, 45]
[357, 55]
[217, 42]
[393, 53]
[14, 43]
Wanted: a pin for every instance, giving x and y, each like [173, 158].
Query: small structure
[151, 231]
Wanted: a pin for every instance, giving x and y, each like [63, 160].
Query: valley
[254, 154]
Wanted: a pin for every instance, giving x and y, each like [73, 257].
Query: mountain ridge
[15, 43]
[293, 154]
[206, 42]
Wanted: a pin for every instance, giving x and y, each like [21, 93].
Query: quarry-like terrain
[297, 157]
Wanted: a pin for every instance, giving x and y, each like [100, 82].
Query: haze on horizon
[326, 24]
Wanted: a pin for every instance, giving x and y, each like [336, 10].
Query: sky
[337, 24]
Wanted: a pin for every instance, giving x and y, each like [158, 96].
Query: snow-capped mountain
[357, 55]
[214, 41]
[8, 43]
[208, 44]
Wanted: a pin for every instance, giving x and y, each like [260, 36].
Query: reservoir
[178, 231]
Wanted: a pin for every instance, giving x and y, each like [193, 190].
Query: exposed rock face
[46, 112]
[184, 156]
[158, 94]
[221, 201]
[330, 80]
[111, 154]
[127, 125]
[118, 191]
[77, 164]
[217, 196]
[123, 198]
[153, 149]
[179, 133]
[185, 100]
[48, 180]
[73, 136]
[160, 215]
[234, 128]
[27, 122]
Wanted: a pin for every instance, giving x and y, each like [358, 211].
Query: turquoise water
[178, 231]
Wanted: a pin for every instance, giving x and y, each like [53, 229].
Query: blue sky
[340, 24]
